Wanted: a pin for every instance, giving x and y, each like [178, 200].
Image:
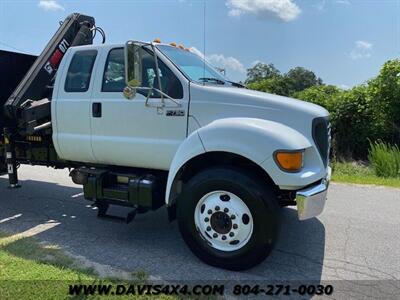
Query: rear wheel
[228, 218]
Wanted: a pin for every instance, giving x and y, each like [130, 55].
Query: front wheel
[228, 218]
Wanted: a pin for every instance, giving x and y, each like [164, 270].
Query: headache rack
[13, 67]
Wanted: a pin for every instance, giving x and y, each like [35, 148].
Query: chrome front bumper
[311, 201]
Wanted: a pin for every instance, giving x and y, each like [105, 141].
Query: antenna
[204, 40]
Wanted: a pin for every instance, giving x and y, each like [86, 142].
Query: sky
[345, 42]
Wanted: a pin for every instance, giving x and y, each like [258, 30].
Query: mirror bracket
[163, 97]
[131, 89]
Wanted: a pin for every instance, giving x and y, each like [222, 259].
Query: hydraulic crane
[27, 110]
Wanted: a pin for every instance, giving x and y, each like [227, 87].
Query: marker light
[173, 44]
[181, 47]
[289, 161]
[158, 41]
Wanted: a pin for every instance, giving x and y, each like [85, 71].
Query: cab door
[129, 132]
[71, 105]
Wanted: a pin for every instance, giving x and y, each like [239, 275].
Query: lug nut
[231, 234]
[215, 235]
[209, 211]
[223, 237]
[235, 226]
[217, 208]
[233, 217]
[206, 219]
[226, 210]
[225, 198]
[208, 228]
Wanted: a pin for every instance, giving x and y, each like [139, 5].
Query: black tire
[259, 198]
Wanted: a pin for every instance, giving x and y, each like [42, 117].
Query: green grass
[32, 270]
[385, 159]
[359, 173]
[24, 259]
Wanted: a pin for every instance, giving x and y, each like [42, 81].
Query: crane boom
[27, 104]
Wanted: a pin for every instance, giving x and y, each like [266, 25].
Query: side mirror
[134, 53]
[221, 70]
[133, 66]
[129, 93]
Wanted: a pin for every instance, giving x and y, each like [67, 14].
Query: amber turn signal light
[289, 161]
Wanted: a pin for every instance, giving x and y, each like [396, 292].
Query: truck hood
[209, 103]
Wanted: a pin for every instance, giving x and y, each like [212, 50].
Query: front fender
[257, 140]
[254, 139]
[190, 148]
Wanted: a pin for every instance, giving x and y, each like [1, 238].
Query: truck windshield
[193, 65]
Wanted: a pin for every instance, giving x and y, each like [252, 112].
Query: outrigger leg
[11, 159]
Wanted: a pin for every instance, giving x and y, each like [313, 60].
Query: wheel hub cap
[223, 220]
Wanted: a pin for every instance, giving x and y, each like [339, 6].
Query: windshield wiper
[237, 84]
[208, 79]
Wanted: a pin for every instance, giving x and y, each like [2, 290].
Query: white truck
[146, 125]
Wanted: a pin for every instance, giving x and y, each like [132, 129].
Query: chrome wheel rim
[224, 221]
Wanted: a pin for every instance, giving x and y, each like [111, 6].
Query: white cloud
[363, 45]
[220, 61]
[362, 49]
[285, 10]
[256, 62]
[196, 51]
[345, 2]
[50, 5]
[320, 5]
[344, 86]
[230, 63]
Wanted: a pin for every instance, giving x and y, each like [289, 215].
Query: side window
[80, 71]
[114, 72]
[170, 84]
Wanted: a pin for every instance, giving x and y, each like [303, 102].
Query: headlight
[289, 161]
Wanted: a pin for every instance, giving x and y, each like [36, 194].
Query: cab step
[102, 213]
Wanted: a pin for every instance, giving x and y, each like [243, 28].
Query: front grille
[321, 131]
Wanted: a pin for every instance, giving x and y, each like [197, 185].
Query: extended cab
[146, 125]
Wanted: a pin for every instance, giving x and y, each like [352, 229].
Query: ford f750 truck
[151, 125]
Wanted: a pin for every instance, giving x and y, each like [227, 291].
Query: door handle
[96, 110]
